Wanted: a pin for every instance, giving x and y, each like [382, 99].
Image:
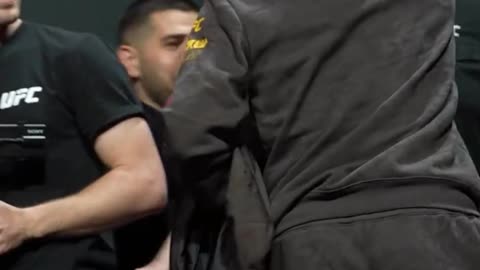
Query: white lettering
[31, 94]
[21, 94]
[35, 131]
[456, 28]
[14, 98]
[7, 100]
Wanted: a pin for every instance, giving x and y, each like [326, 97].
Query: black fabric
[138, 243]
[349, 97]
[395, 240]
[468, 75]
[249, 218]
[236, 237]
[75, 90]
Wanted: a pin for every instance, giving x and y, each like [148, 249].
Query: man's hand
[13, 227]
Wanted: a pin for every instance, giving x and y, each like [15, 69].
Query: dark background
[97, 16]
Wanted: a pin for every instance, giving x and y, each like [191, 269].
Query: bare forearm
[162, 259]
[114, 199]
[163, 255]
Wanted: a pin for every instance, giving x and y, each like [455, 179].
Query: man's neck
[8, 30]
[151, 104]
[145, 98]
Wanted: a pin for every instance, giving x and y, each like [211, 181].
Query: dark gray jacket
[352, 102]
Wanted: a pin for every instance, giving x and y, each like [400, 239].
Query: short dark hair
[138, 12]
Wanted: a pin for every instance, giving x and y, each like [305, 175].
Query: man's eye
[173, 43]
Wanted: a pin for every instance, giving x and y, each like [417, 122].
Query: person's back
[353, 94]
[354, 102]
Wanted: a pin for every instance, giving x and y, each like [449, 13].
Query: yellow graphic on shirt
[197, 25]
[195, 47]
[197, 43]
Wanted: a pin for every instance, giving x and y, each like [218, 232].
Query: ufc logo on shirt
[15, 98]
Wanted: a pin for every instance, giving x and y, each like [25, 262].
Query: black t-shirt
[59, 91]
[468, 74]
[138, 243]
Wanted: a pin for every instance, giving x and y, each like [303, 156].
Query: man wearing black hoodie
[353, 103]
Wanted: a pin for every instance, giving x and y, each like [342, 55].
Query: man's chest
[23, 94]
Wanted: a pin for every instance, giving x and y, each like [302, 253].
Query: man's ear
[128, 56]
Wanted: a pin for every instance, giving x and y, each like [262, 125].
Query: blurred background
[96, 16]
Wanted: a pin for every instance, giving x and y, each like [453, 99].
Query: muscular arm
[134, 187]
[99, 100]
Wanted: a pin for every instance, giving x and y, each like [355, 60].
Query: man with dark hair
[353, 104]
[152, 36]
[76, 157]
[152, 40]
